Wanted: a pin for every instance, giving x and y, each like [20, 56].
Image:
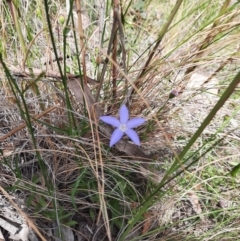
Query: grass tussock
[65, 64]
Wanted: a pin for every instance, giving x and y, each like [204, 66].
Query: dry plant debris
[95, 191]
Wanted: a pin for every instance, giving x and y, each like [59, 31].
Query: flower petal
[110, 120]
[135, 122]
[124, 115]
[116, 136]
[133, 136]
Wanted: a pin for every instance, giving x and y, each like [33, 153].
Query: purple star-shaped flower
[123, 126]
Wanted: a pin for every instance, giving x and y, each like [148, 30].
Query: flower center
[123, 127]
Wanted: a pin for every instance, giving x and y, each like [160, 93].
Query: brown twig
[114, 56]
[114, 69]
[18, 128]
[50, 73]
[121, 37]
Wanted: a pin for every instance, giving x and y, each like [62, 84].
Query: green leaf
[66, 215]
[75, 187]
[92, 214]
[71, 223]
[235, 170]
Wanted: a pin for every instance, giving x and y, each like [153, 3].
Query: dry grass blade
[18, 128]
[162, 33]
[82, 38]
[110, 43]
[62, 169]
[101, 188]
[49, 73]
